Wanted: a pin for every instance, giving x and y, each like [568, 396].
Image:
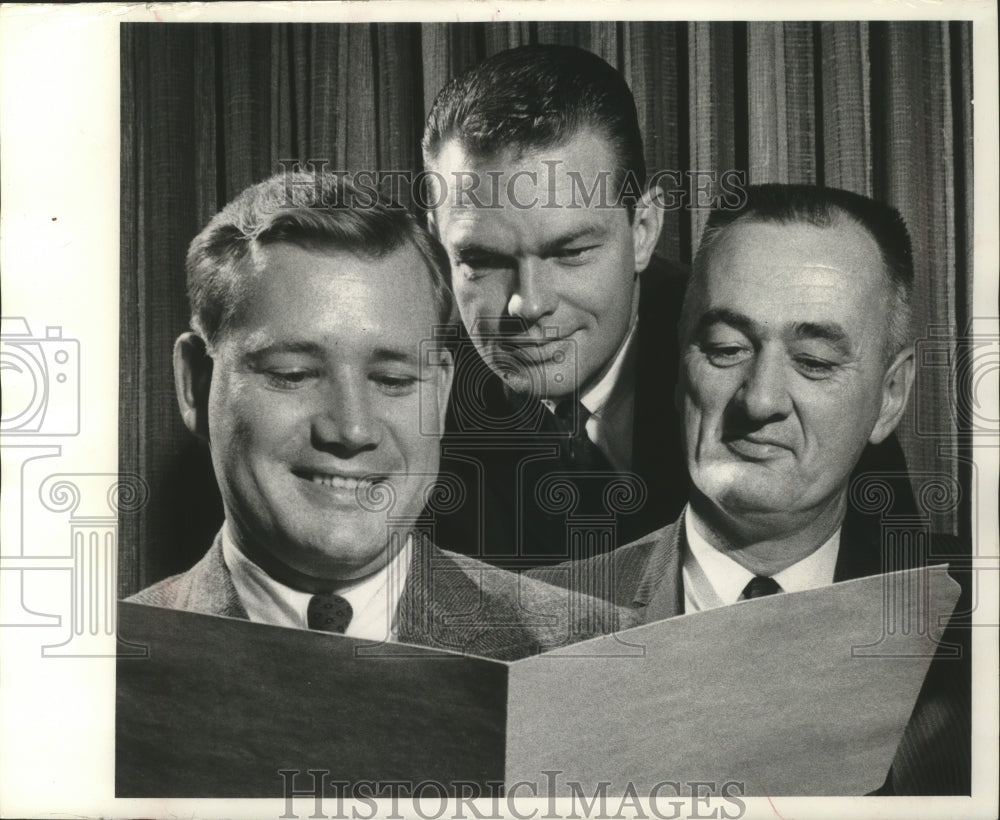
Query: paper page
[221, 706]
[803, 693]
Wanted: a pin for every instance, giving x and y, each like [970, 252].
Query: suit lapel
[443, 606]
[210, 586]
[860, 554]
[660, 593]
[435, 592]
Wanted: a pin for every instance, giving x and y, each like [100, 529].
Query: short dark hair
[825, 208]
[319, 211]
[535, 97]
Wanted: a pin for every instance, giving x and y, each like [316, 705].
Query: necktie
[329, 612]
[578, 451]
[761, 585]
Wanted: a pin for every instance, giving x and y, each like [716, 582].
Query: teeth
[340, 483]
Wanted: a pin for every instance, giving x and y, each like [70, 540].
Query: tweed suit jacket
[934, 754]
[448, 601]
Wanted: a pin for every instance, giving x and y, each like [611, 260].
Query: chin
[756, 503]
[343, 558]
[730, 490]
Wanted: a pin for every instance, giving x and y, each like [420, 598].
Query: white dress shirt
[713, 579]
[373, 598]
[611, 404]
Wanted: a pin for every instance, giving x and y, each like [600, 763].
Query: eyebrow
[830, 332]
[724, 316]
[474, 248]
[379, 354]
[595, 232]
[394, 355]
[291, 346]
[826, 331]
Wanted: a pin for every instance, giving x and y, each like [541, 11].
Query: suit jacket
[448, 601]
[934, 754]
[503, 450]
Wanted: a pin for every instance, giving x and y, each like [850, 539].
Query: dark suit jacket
[449, 602]
[503, 451]
[934, 755]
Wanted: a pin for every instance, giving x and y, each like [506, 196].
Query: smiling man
[541, 200]
[789, 369]
[796, 355]
[305, 374]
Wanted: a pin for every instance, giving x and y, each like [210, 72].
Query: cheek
[251, 424]
[412, 427]
[843, 427]
[482, 298]
[707, 390]
[605, 293]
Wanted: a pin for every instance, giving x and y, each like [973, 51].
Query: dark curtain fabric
[879, 108]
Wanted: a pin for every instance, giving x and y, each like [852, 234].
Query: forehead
[515, 198]
[336, 296]
[775, 272]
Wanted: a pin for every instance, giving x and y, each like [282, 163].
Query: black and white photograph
[529, 410]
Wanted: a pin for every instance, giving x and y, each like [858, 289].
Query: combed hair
[314, 212]
[825, 208]
[536, 97]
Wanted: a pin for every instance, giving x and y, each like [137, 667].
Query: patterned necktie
[760, 586]
[329, 612]
[578, 451]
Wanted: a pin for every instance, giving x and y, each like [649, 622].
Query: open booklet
[801, 693]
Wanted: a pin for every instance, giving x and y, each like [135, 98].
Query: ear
[896, 388]
[432, 225]
[445, 374]
[647, 222]
[192, 380]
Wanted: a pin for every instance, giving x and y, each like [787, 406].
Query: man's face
[784, 377]
[315, 405]
[565, 275]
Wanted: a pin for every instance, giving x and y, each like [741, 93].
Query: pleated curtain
[880, 108]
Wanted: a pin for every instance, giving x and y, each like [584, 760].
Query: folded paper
[801, 693]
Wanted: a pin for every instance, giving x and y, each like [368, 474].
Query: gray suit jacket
[934, 755]
[449, 601]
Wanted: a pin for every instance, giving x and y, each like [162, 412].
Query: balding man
[796, 355]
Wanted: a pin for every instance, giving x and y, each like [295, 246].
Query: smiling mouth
[340, 482]
[535, 352]
[754, 448]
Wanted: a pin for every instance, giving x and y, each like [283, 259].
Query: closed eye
[726, 355]
[577, 255]
[395, 384]
[290, 379]
[815, 368]
[474, 265]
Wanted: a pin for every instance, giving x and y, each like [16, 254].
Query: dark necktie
[578, 451]
[329, 612]
[761, 585]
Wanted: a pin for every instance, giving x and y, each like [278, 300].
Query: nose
[533, 298]
[345, 423]
[764, 392]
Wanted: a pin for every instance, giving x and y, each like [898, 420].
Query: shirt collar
[618, 378]
[267, 600]
[719, 580]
